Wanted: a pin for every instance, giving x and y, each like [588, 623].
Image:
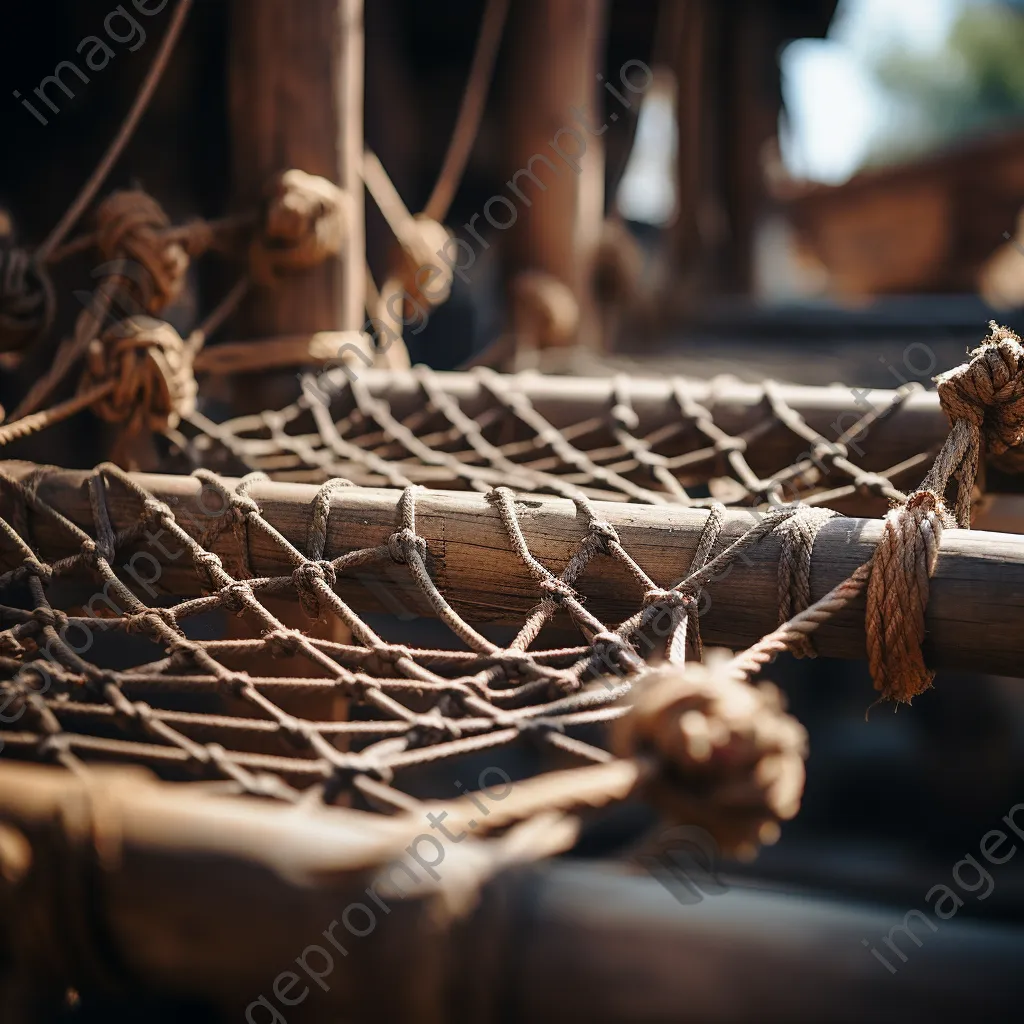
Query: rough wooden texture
[552, 72]
[974, 615]
[295, 76]
[211, 898]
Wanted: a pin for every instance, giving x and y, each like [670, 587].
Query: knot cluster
[133, 225]
[988, 391]
[728, 758]
[151, 367]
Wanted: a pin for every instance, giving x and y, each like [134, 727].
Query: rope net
[482, 429]
[99, 663]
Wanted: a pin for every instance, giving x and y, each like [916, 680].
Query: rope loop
[132, 224]
[544, 309]
[306, 221]
[150, 367]
[897, 595]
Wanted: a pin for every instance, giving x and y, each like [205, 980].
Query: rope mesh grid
[338, 427]
[406, 707]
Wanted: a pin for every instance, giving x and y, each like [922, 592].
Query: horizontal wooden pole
[974, 614]
[911, 426]
[547, 943]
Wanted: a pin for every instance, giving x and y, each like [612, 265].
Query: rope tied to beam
[305, 221]
[984, 400]
[797, 536]
[723, 754]
[132, 224]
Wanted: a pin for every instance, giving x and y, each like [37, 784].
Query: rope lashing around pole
[797, 535]
[133, 225]
[306, 220]
[149, 368]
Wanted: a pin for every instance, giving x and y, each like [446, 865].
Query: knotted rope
[306, 221]
[144, 369]
[133, 224]
[984, 400]
[724, 754]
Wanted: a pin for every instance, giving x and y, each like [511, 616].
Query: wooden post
[553, 75]
[296, 84]
[296, 93]
[973, 616]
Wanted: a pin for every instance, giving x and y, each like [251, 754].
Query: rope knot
[306, 220]
[416, 254]
[988, 391]
[604, 535]
[403, 542]
[132, 224]
[27, 300]
[724, 755]
[308, 579]
[151, 369]
[234, 597]
[670, 598]
[283, 642]
[544, 309]
[556, 590]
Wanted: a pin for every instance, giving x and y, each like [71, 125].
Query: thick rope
[984, 400]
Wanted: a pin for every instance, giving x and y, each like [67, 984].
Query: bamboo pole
[973, 617]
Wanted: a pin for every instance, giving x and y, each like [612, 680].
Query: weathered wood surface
[974, 614]
[212, 898]
[296, 90]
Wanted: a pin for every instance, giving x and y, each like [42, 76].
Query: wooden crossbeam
[974, 614]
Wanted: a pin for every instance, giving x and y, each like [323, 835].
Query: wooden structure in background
[725, 59]
[925, 226]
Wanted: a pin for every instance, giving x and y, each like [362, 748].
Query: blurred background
[803, 189]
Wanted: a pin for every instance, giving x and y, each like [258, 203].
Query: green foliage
[975, 83]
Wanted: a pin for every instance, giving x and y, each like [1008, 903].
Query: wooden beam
[296, 91]
[974, 614]
[552, 75]
[546, 943]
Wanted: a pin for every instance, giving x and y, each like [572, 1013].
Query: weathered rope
[306, 221]
[984, 400]
[797, 536]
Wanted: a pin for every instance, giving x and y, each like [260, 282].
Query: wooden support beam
[296, 91]
[595, 943]
[552, 81]
[973, 618]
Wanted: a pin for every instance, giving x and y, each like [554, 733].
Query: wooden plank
[974, 615]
